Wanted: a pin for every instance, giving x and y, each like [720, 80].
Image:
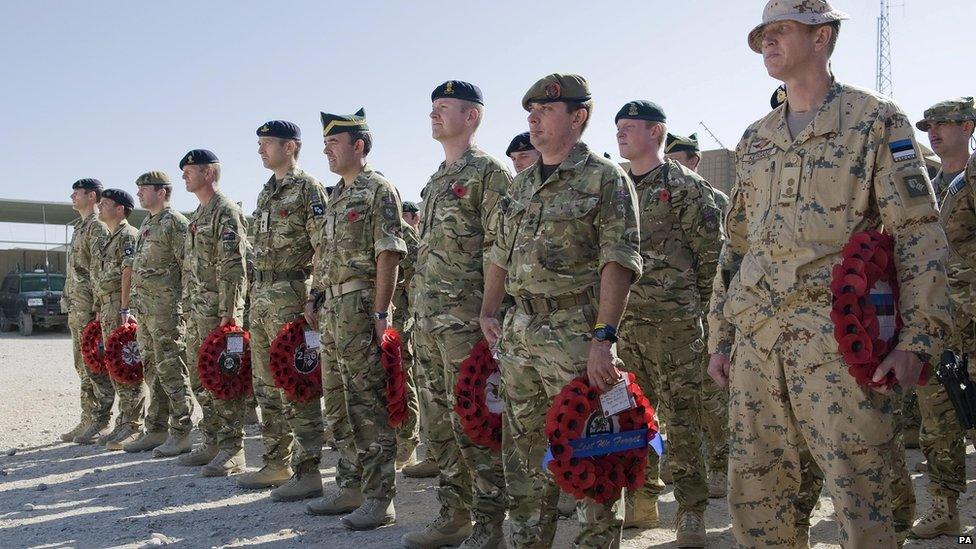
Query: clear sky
[113, 89]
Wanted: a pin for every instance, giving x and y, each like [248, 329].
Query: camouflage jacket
[408, 265]
[216, 245]
[795, 205]
[362, 220]
[79, 290]
[958, 216]
[111, 257]
[555, 236]
[287, 223]
[457, 228]
[157, 279]
[681, 236]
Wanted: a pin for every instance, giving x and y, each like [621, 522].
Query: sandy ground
[62, 495]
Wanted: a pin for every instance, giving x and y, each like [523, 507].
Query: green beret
[333, 124]
[567, 88]
[198, 156]
[676, 143]
[410, 207]
[457, 89]
[951, 110]
[641, 110]
[153, 178]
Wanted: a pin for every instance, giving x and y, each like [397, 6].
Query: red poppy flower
[664, 195]
[352, 216]
[459, 190]
[282, 213]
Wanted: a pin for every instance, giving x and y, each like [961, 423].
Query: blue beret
[641, 110]
[198, 156]
[120, 197]
[280, 128]
[89, 184]
[456, 89]
[521, 143]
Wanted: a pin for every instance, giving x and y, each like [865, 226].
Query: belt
[345, 288]
[543, 305]
[279, 276]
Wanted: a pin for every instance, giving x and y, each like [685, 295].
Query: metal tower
[884, 52]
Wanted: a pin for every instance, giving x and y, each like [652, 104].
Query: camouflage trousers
[715, 418]
[667, 356]
[538, 356]
[162, 345]
[354, 381]
[132, 398]
[791, 392]
[283, 422]
[97, 393]
[222, 423]
[471, 476]
[408, 433]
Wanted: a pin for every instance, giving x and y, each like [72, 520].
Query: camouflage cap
[678, 143]
[950, 110]
[568, 88]
[808, 12]
[153, 178]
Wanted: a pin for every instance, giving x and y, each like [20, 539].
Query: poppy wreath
[224, 375]
[295, 369]
[867, 264]
[122, 358]
[391, 358]
[92, 351]
[483, 426]
[598, 477]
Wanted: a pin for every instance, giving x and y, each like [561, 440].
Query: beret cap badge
[552, 90]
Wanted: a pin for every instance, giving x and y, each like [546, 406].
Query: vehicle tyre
[26, 324]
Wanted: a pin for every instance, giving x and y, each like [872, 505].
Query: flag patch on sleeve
[902, 150]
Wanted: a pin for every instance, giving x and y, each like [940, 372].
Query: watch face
[600, 334]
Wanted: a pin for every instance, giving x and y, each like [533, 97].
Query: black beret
[779, 96]
[280, 128]
[520, 143]
[641, 110]
[410, 207]
[677, 143]
[338, 123]
[89, 184]
[120, 197]
[456, 89]
[198, 156]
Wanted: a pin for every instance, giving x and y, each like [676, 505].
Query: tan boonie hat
[570, 88]
[152, 178]
[950, 110]
[808, 12]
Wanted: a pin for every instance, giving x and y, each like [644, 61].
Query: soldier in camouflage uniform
[715, 399]
[408, 432]
[355, 277]
[949, 125]
[112, 275]
[833, 161]
[458, 225]
[287, 225]
[569, 244]
[661, 334]
[216, 245]
[78, 300]
[156, 290]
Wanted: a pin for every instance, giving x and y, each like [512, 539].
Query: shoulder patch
[228, 234]
[916, 185]
[127, 251]
[318, 209]
[902, 150]
[957, 185]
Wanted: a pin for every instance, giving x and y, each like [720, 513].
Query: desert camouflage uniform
[795, 204]
[78, 300]
[554, 238]
[216, 245]
[362, 220]
[111, 257]
[287, 226]
[661, 337]
[458, 225]
[157, 287]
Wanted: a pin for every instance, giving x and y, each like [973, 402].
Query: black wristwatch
[605, 332]
[380, 315]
